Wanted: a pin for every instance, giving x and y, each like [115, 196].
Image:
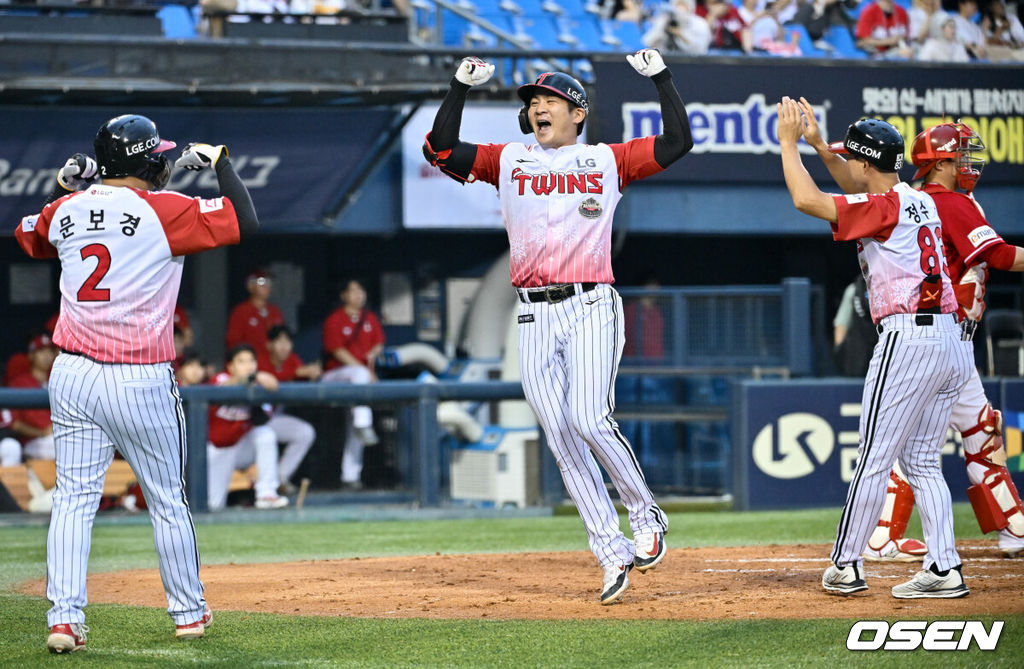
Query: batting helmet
[875, 141]
[553, 83]
[949, 141]
[130, 146]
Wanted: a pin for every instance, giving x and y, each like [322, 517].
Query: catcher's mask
[949, 141]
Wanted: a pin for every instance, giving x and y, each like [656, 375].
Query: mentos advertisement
[731, 107]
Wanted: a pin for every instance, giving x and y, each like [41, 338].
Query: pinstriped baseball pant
[137, 410]
[569, 356]
[915, 378]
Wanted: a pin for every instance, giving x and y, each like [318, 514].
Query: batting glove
[647, 62]
[78, 171]
[473, 71]
[198, 157]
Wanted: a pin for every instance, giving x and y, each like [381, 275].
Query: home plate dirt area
[691, 583]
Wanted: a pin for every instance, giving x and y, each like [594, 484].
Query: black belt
[554, 293]
[924, 319]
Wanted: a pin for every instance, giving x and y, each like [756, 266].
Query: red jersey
[248, 324]
[727, 29]
[340, 332]
[39, 418]
[17, 365]
[287, 370]
[120, 254]
[228, 424]
[873, 22]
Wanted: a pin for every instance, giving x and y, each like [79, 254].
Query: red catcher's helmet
[949, 141]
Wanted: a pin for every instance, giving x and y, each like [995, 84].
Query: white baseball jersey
[558, 204]
[121, 259]
[899, 243]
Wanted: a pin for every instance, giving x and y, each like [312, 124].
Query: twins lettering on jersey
[563, 183]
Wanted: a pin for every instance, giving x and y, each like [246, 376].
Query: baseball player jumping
[121, 244]
[946, 158]
[919, 366]
[558, 198]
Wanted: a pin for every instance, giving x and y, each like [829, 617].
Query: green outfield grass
[125, 636]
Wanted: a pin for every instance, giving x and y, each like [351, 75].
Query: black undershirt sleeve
[231, 187]
[444, 136]
[676, 139]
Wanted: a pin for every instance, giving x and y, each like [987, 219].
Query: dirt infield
[692, 583]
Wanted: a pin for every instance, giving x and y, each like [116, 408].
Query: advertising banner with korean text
[731, 107]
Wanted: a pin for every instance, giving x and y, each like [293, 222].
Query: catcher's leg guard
[899, 503]
[993, 494]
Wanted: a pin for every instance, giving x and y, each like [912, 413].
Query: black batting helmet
[875, 141]
[553, 83]
[130, 146]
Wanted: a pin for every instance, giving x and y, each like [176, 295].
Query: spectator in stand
[623, 10]
[727, 26]
[352, 339]
[942, 46]
[968, 32]
[296, 434]
[919, 16]
[239, 436]
[677, 28]
[192, 370]
[764, 23]
[1004, 34]
[883, 30]
[250, 320]
[33, 427]
[817, 16]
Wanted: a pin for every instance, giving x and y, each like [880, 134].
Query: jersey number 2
[89, 292]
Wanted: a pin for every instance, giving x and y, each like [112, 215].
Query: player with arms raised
[558, 198]
[121, 244]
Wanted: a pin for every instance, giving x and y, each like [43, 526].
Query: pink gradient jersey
[558, 205]
[899, 243]
[120, 251]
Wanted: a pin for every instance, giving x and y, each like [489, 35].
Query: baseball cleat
[67, 638]
[897, 550]
[616, 581]
[843, 581]
[650, 549]
[197, 629]
[926, 584]
[271, 502]
[1010, 545]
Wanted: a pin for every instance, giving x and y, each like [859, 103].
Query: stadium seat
[177, 22]
[807, 47]
[842, 40]
[628, 34]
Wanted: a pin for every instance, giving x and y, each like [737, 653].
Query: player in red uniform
[250, 320]
[33, 426]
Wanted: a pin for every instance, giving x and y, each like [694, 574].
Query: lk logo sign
[793, 446]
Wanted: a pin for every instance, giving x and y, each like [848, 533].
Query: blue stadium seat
[177, 22]
[586, 31]
[580, 8]
[628, 33]
[806, 43]
[842, 40]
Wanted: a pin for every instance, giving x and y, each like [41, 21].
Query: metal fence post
[195, 463]
[428, 460]
[796, 323]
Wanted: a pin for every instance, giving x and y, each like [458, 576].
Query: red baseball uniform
[38, 418]
[287, 369]
[339, 332]
[248, 324]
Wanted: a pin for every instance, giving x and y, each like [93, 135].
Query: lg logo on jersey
[914, 634]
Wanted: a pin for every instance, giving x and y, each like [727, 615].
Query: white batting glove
[647, 62]
[78, 171]
[196, 157]
[473, 71]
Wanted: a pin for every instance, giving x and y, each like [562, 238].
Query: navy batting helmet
[130, 146]
[875, 141]
[553, 83]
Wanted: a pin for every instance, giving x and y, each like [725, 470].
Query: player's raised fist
[78, 171]
[647, 62]
[196, 156]
[473, 71]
